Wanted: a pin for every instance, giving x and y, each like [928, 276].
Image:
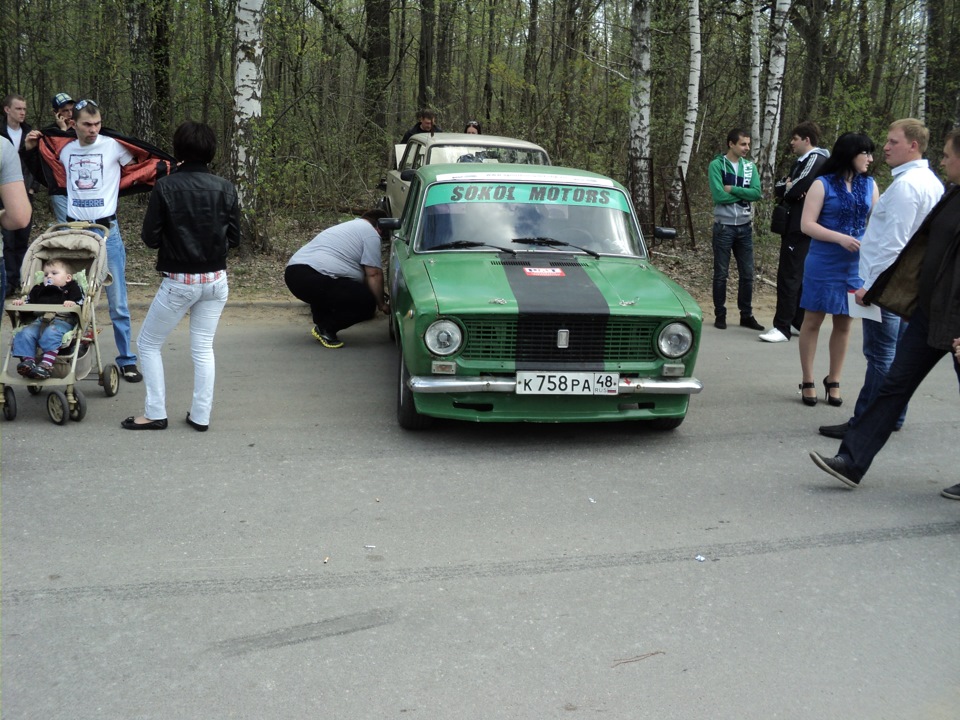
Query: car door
[397, 187]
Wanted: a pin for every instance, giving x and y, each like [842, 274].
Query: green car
[523, 293]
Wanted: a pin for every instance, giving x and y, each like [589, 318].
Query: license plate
[570, 383]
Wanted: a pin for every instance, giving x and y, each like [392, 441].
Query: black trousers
[793, 253]
[336, 303]
[15, 244]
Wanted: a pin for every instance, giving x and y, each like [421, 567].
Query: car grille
[532, 339]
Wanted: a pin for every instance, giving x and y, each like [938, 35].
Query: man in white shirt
[92, 163]
[894, 219]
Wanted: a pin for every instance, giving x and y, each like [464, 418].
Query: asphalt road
[306, 558]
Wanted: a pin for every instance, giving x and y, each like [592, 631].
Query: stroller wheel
[79, 411]
[57, 407]
[33, 389]
[110, 380]
[9, 404]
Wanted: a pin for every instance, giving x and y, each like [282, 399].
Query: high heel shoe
[811, 401]
[827, 387]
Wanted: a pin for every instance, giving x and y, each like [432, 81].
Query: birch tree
[756, 9]
[247, 109]
[767, 155]
[693, 97]
[640, 84]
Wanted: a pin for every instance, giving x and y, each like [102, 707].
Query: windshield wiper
[553, 242]
[470, 244]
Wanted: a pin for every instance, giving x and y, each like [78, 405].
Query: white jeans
[205, 302]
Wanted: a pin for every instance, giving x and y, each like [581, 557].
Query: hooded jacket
[734, 207]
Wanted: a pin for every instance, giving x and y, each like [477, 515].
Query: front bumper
[495, 384]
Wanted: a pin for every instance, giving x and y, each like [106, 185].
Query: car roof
[505, 172]
[447, 138]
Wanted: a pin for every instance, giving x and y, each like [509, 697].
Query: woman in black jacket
[192, 219]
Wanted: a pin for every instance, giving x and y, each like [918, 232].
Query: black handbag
[780, 218]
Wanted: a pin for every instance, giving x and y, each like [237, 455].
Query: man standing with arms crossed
[895, 218]
[92, 164]
[793, 243]
[734, 185]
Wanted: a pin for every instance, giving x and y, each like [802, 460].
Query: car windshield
[490, 154]
[528, 217]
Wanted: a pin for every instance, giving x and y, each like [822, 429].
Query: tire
[110, 380]
[79, 411]
[57, 407]
[9, 404]
[666, 424]
[407, 416]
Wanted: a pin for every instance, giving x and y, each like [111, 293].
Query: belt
[99, 221]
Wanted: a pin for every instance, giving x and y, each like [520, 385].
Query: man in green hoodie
[734, 184]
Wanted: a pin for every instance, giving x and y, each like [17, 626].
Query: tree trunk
[248, 89]
[378, 65]
[693, 99]
[425, 96]
[531, 52]
[445, 19]
[491, 52]
[163, 114]
[767, 156]
[640, 85]
[140, 37]
[756, 8]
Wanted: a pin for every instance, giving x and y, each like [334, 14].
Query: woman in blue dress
[834, 216]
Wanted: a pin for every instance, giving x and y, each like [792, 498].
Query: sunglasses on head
[83, 103]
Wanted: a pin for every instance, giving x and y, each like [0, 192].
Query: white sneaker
[773, 335]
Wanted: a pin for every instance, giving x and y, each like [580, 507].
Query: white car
[432, 149]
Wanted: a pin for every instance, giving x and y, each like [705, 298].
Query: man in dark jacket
[426, 123]
[922, 285]
[793, 243]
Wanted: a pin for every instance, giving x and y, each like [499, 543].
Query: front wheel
[110, 380]
[407, 415]
[665, 424]
[57, 407]
[9, 404]
[79, 411]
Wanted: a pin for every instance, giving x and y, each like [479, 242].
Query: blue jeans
[880, 340]
[34, 335]
[58, 205]
[871, 429]
[737, 239]
[117, 296]
[205, 301]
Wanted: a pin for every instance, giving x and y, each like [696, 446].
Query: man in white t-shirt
[92, 163]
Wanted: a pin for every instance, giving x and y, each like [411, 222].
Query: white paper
[867, 312]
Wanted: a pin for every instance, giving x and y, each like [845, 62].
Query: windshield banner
[484, 192]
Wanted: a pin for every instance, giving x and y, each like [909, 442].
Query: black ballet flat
[827, 387]
[130, 424]
[811, 401]
[195, 425]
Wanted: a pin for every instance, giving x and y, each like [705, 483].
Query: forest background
[309, 96]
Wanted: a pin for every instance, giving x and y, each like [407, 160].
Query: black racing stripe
[548, 304]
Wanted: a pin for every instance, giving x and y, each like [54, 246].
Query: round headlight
[444, 337]
[675, 340]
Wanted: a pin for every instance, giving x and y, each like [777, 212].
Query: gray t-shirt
[341, 250]
[9, 163]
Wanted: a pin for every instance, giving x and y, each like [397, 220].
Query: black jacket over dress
[192, 218]
[803, 173]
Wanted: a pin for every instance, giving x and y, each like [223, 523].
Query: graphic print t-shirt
[93, 177]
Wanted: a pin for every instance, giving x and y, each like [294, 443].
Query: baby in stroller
[57, 287]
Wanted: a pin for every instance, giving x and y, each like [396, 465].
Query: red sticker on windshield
[543, 272]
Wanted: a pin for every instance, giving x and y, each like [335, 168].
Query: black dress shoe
[721, 322]
[838, 467]
[130, 424]
[749, 321]
[834, 431]
[195, 425]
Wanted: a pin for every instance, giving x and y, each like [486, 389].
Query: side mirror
[665, 233]
[388, 223]
[407, 175]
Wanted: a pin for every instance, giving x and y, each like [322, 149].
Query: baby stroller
[86, 251]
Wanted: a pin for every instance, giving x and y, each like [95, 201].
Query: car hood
[471, 282]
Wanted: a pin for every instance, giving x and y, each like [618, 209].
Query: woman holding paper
[834, 216]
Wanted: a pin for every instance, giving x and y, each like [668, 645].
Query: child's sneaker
[41, 372]
[26, 367]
